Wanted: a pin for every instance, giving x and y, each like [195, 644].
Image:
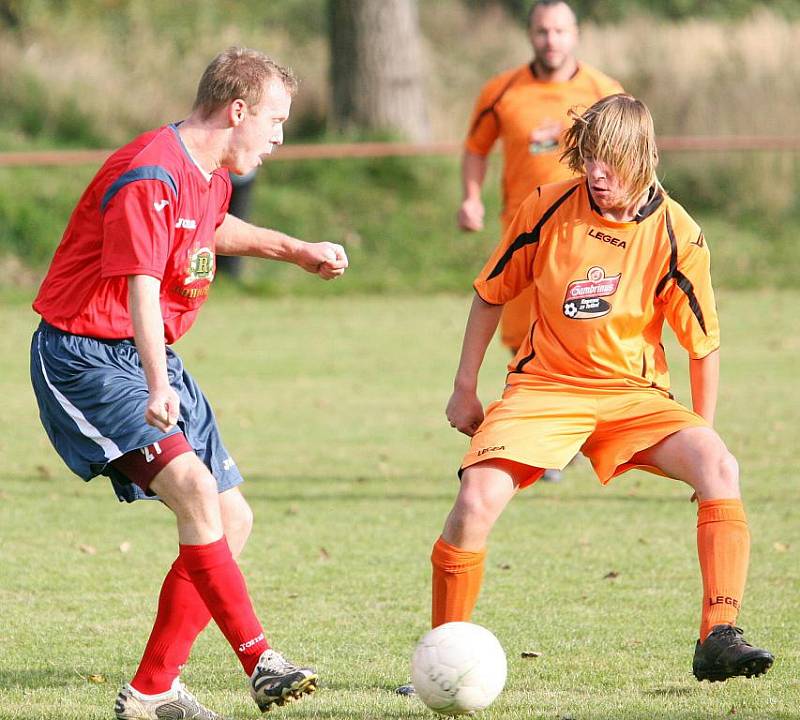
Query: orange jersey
[602, 289]
[530, 117]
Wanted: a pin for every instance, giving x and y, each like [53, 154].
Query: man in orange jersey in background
[610, 258]
[527, 108]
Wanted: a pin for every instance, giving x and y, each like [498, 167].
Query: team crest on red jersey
[584, 299]
[201, 266]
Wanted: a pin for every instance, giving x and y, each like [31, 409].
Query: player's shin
[723, 548]
[219, 581]
[181, 617]
[457, 577]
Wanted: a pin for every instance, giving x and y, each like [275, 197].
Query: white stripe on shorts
[110, 448]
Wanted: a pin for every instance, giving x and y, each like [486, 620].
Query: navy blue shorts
[92, 396]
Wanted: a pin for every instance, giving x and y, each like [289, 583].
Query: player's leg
[237, 519]
[537, 424]
[698, 457]
[182, 615]
[189, 489]
[458, 555]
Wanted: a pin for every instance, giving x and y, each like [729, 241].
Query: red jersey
[150, 210]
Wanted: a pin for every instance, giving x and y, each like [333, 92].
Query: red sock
[181, 617]
[723, 546]
[218, 580]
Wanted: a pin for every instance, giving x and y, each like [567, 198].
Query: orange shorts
[543, 423]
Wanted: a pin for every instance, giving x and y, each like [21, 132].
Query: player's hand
[464, 412]
[470, 215]
[163, 409]
[326, 259]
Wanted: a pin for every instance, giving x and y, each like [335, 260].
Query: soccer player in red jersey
[610, 257]
[132, 270]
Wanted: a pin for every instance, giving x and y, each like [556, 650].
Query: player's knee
[477, 507]
[238, 524]
[728, 471]
[191, 485]
[719, 473]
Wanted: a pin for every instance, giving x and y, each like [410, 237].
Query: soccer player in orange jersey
[610, 258]
[527, 109]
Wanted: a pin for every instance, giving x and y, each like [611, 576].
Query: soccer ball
[458, 668]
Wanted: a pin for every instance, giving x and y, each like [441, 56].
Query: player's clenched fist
[163, 409]
[470, 215]
[464, 412]
[326, 259]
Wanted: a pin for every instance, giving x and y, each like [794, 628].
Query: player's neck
[561, 74]
[627, 213]
[203, 143]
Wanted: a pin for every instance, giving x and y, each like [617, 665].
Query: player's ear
[236, 112]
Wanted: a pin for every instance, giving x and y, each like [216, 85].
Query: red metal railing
[354, 150]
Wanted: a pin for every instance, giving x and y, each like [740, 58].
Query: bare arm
[473, 172]
[704, 382]
[237, 237]
[464, 410]
[163, 405]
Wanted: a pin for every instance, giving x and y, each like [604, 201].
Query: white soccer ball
[458, 668]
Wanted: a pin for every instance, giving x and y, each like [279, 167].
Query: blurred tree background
[603, 11]
[94, 73]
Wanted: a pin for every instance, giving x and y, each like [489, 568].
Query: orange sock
[723, 547]
[457, 576]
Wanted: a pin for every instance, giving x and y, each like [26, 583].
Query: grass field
[333, 408]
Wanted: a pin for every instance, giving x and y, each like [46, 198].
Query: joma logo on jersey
[201, 266]
[584, 300]
[186, 223]
[610, 239]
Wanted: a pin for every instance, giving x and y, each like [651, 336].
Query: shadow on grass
[315, 488]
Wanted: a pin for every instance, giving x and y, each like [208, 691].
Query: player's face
[608, 190]
[554, 35]
[260, 129]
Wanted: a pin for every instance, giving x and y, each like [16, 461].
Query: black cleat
[406, 690]
[725, 654]
[277, 681]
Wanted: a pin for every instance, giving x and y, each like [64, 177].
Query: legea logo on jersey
[201, 266]
[584, 299]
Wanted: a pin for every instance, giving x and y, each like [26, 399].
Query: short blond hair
[239, 74]
[617, 130]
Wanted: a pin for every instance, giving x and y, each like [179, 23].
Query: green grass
[333, 408]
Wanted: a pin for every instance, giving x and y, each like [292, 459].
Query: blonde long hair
[617, 130]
